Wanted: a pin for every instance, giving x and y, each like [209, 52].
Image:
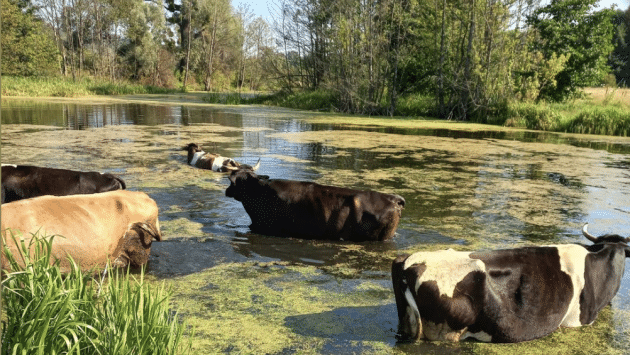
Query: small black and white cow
[26, 181]
[308, 210]
[202, 160]
[506, 296]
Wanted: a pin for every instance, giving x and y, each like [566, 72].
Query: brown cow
[202, 160]
[118, 226]
[309, 210]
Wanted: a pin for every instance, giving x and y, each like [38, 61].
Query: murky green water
[246, 293]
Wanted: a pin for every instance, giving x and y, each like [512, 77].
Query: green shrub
[608, 120]
[58, 86]
[225, 99]
[51, 313]
[532, 116]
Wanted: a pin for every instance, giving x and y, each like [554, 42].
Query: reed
[50, 313]
[66, 87]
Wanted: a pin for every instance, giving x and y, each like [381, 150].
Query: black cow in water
[312, 211]
[506, 296]
[210, 161]
[25, 181]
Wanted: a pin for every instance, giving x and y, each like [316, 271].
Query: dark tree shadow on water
[348, 329]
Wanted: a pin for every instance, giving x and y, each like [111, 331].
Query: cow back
[313, 211]
[88, 227]
[25, 181]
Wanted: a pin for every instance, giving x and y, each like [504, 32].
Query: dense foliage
[27, 48]
[620, 57]
[473, 57]
[568, 29]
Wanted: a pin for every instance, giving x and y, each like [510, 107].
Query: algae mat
[248, 294]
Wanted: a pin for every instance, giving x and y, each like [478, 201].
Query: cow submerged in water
[506, 296]
[312, 211]
[116, 226]
[202, 160]
[26, 181]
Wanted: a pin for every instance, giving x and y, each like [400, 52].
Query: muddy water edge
[467, 187]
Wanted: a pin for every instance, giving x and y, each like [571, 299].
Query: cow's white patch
[196, 157]
[445, 267]
[481, 336]
[13, 165]
[573, 263]
[217, 164]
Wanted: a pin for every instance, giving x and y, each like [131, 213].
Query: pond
[467, 187]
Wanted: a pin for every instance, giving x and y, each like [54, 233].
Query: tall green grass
[66, 87]
[50, 313]
[610, 120]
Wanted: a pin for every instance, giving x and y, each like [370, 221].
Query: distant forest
[470, 56]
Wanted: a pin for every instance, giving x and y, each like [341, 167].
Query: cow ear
[232, 176]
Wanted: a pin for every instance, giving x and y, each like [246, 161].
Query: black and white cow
[301, 209]
[506, 296]
[202, 160]
[26, 181]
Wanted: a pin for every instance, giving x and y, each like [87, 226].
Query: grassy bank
[66, 87]
[46, 312]
[600, 110]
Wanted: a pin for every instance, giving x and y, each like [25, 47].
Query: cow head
[607, 239]
[136, 244]
[192, 147]
[242, 181]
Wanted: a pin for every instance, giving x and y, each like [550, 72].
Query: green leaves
[51, 313]
[572, 28]
[27, 49]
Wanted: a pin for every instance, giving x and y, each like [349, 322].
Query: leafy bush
[220, 98]
[532, 116]
[66, 87]
[609, 120]
[51, 313]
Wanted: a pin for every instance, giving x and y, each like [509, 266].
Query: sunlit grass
[51, 313]
[66, 87]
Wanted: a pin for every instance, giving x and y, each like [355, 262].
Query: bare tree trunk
[441, 107]
[465, 98]
[188, 49]
[213, 35]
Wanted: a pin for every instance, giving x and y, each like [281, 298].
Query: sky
[264, 8]
[621, 4]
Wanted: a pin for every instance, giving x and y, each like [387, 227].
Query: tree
[145, 32]
[620, 57]
[573, 29]
[26, 47]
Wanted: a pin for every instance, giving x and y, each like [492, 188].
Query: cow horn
[256, 166]
[588, 236]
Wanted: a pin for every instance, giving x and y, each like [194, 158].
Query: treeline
[472, 57]
[198, 44]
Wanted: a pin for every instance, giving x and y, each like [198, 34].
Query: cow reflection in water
[312, 211]
[506, 296]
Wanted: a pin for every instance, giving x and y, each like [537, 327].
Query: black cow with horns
[301, 209]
